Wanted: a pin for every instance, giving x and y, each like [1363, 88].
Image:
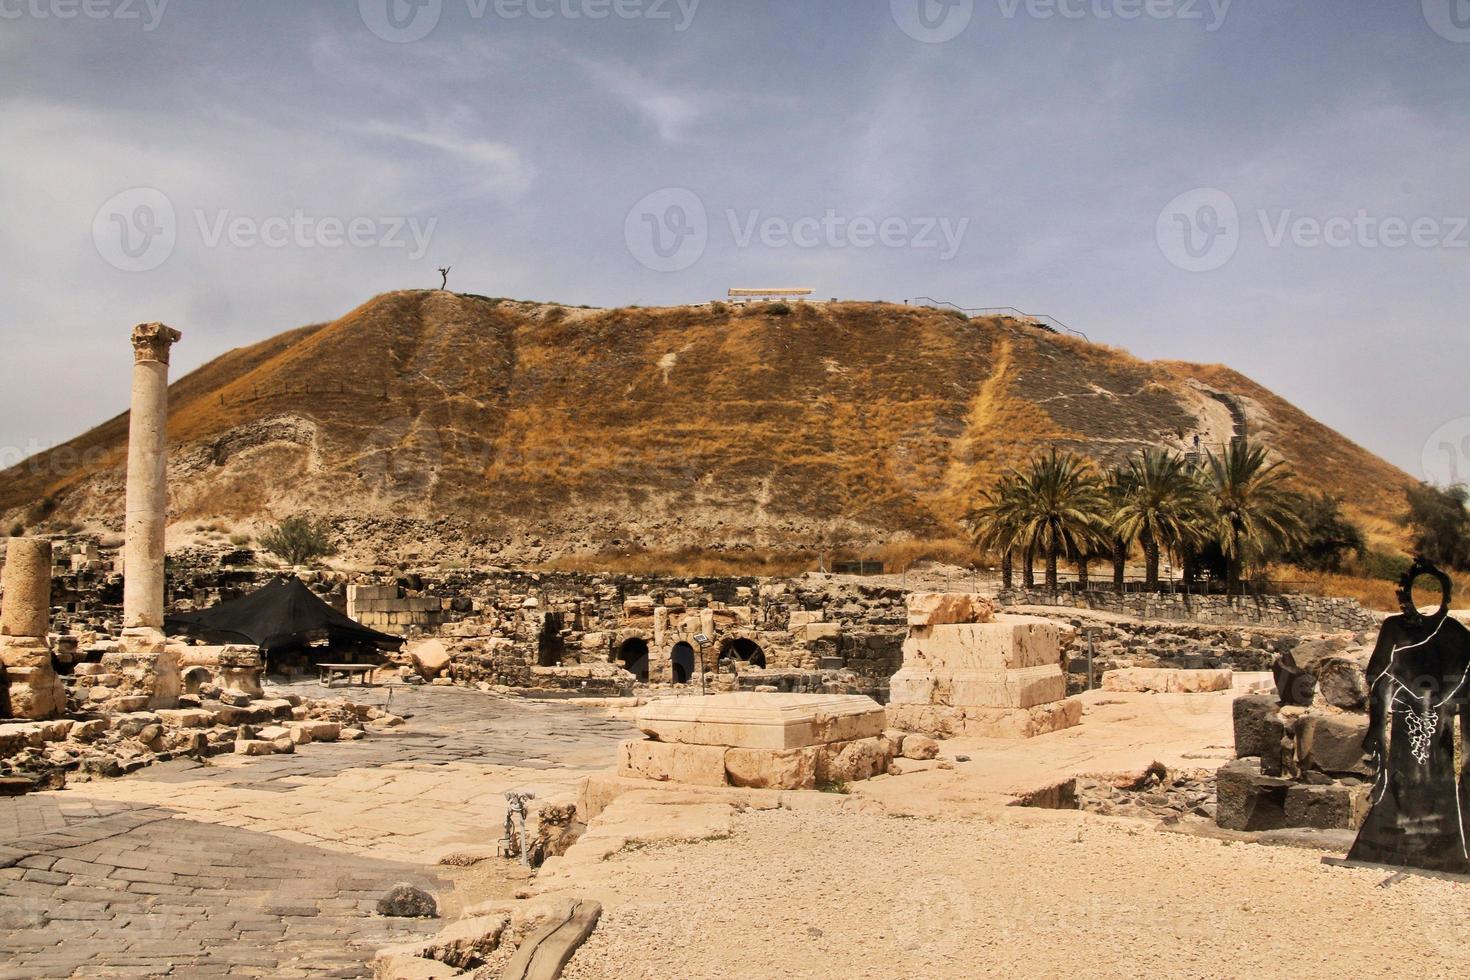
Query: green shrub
[1381, 565]
[1329, 538]
[778, 309]
[299, 540]
[1441, 524]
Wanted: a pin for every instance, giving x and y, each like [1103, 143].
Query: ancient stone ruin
[1299, 752]
[759, 741]
[968, 670]
[145, 662]
[30, 687]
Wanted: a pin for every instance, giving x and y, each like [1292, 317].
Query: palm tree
[1062, 503]
[1116, 488]
[1160, 507]
[1252, 507]
[997, 523]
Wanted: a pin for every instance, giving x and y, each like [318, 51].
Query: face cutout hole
[1426, 595]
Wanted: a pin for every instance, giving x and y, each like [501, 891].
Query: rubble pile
[94, 745]
[1299, 753]
[1157, 794]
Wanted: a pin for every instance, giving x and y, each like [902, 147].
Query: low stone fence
[1299, 612]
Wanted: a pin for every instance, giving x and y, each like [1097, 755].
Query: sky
[1278, 186]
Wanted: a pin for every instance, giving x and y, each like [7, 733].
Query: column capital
[151, 342]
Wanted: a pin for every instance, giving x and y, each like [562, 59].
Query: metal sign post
[703, 642]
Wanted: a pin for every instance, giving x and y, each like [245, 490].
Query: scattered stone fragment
[405, 901]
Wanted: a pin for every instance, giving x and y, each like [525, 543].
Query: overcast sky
[1280, 186]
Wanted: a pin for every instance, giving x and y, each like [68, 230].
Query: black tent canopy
[282, 614]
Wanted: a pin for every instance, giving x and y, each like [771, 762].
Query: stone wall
[387, 609]
[1301, 612]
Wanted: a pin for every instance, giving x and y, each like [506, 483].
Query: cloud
[669, 112]
[491, 167]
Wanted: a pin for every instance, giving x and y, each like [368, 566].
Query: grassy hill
[437, 424]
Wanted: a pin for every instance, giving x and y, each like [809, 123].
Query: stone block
[1258, 727]
[1159, 680]
[467, 942]
[812, 632]
[1021, 688]
[1332, 744]
[700, 765]
[1009, 643]
[757, 720]
[947, 721]
[394, 965]
[802, 617]
[25, 652]
[253, 746]
[185, 717]
[430, 658]
[919, 747]
[946, 608]
[33, 692]
[1343, 682]
[849, 762]
[772, 768]
[1248, 800]
[1332, 807]
[319, 731]
[636, 606]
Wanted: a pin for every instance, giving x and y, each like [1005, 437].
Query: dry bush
[689, 562]
[1377, 594]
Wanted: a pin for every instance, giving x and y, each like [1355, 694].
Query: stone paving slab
[145, 892]
[272, 866]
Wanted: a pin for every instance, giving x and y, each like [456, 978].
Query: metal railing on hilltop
[1043, 320]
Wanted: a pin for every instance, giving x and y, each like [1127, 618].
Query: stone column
[147, 667]
[147, 503]
[32, 689]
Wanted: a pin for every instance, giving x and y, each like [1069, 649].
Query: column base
[148, 668]
[31, 688]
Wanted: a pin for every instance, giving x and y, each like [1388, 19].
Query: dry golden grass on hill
[736, 436]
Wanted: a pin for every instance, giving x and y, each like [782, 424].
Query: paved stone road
[271, 866]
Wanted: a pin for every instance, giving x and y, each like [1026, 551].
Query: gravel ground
[853, 894]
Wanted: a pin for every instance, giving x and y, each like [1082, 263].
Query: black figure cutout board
[1419, 680]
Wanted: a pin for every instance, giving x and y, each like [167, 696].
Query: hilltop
[448, 426]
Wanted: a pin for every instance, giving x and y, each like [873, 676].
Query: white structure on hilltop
[742, 296]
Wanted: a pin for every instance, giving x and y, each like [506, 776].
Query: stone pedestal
[31, 689]
[146, 666]
[236, 668]
[760, 741]
[1000, 678]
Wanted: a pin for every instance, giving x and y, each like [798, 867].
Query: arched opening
[550, 646]
[745, 650]
[683, 662]
[196, 677]
[633, 657]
